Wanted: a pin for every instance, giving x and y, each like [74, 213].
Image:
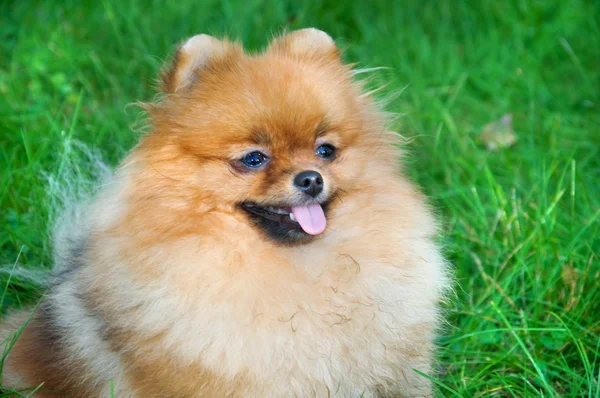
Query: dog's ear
[306, 43]
[191, 58]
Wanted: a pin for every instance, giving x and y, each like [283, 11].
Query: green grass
[521, 225]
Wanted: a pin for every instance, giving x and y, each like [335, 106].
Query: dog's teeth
[277, 210]
[292, 217]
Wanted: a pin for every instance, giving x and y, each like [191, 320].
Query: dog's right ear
[306, 43]
[191, 59]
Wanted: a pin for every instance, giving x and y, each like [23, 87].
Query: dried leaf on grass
[499, 134]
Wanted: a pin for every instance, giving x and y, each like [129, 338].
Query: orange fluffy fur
[167, 288]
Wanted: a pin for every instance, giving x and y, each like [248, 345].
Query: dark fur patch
[70, 263]
[102, 331]
[39, 353]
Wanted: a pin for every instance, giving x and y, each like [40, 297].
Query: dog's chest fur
[345, 318]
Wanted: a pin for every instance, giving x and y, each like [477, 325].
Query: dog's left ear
[306, 43]
[192, 58]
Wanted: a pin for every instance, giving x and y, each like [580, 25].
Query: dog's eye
[254, 160]
[325, 151]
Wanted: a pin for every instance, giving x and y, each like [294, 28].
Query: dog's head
[274, 138]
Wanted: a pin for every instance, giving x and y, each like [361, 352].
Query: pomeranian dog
[259, 241]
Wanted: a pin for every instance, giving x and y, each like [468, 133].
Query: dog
[261, 240]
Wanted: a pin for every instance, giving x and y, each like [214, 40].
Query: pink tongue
[311, 218]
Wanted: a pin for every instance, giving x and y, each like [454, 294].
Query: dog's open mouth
[285, 222]
[310, 218]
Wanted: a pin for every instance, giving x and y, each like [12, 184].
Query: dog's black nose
[309, 182]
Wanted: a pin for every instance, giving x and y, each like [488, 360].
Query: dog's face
[277, 137]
